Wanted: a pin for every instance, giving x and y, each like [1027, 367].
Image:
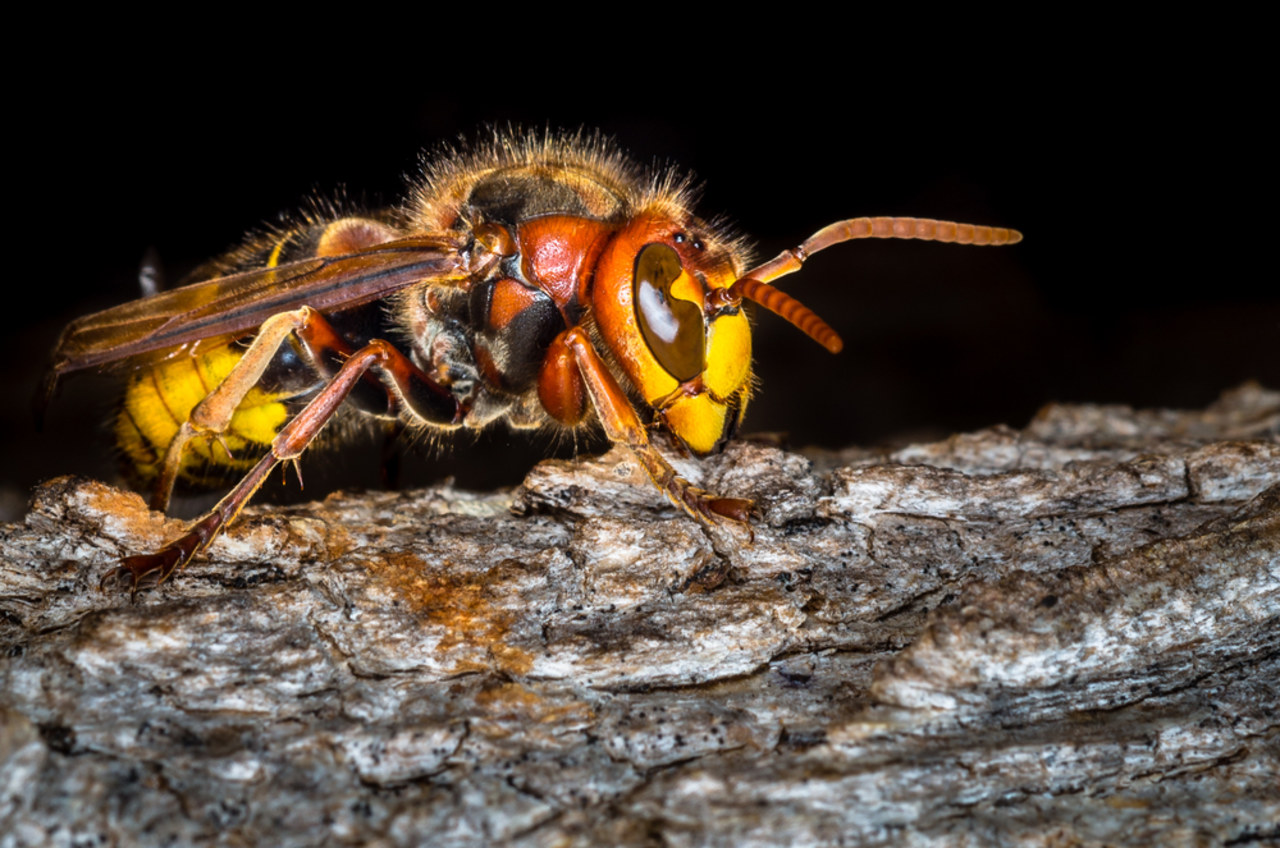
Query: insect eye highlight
[672, 328]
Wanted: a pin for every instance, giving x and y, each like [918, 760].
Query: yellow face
[661, 303]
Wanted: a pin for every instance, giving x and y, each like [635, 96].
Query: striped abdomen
[159, 399]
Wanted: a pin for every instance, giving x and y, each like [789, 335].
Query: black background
[1137, 179]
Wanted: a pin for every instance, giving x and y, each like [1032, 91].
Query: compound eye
[671, 327]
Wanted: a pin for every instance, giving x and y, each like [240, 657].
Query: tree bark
[1055, 636]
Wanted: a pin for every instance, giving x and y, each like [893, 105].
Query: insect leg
[320, 344]
[404, 380]
[212, 416]
[622, 425]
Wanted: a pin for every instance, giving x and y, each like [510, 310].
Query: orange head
[668, 304]
[661, 304]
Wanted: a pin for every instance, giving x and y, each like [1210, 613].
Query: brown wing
[237, 304]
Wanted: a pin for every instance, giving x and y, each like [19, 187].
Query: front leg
[623, 426]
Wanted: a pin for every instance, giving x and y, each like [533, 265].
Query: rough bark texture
[1060, 635]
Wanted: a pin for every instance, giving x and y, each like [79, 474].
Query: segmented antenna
[754, 284]
[780, 303]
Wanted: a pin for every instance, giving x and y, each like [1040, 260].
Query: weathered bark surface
[1061, 635]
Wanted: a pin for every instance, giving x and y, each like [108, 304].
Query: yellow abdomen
[159, 399]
